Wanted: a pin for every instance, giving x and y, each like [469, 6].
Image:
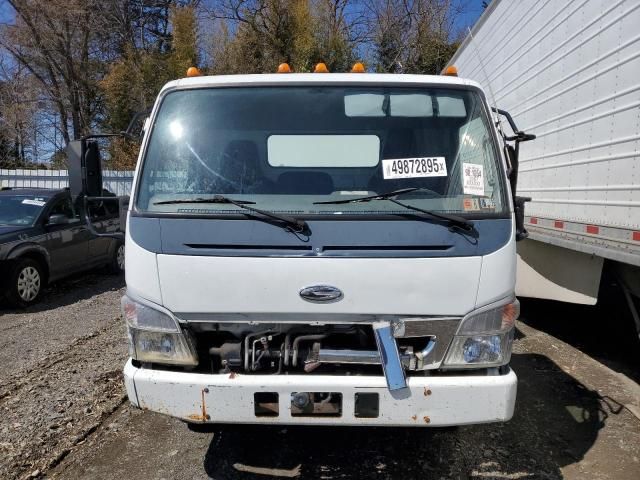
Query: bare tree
[19, 106]
[416, 36]
[259, 34]
[54, 41]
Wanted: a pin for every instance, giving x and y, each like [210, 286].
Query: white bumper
[429, 401]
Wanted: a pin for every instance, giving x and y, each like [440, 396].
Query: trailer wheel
[26, 281]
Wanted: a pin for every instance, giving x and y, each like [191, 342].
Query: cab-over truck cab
[322, 249]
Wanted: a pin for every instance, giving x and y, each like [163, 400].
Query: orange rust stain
[203, 416]
[414, 418]
[426, 419]
[427, 392]
[233, 375]
[204, 407]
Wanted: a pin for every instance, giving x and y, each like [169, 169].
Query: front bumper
[428, 401]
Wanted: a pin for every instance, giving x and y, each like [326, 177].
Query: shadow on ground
[605, 331]
[70, 290]
[556, 422]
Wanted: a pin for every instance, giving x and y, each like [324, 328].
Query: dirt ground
[63, 410]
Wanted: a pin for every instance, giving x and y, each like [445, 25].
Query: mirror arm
[100, 135]
[518, 202]
[127, 133]
[519, 135]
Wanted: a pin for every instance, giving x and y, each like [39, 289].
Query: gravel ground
[61, 372]
[64, 414]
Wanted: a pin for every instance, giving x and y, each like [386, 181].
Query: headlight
[484, 338]
[155, 336]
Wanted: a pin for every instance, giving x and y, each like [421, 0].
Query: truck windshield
[296, 150]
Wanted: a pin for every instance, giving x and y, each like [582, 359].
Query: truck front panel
[321, 253]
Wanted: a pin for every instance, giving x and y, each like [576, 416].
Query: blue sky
[5, 11]
[474, 10]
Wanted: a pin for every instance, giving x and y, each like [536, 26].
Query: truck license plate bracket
[316, 404]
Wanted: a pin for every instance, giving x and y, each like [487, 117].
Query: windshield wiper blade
[214, 199]
[380, 196]
[295, 224]
[455, 220]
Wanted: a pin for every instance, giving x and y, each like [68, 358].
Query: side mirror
[85, 169]
[521, 231]
[57, 219]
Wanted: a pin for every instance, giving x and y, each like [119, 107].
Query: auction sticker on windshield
[414, 167]
[472, 179]
[36, 202]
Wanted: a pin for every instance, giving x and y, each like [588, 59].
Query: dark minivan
[43, 238]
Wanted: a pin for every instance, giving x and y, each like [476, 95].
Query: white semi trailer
[569, 72]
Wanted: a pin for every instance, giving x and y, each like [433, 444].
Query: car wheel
[117, 261]
[25, 282]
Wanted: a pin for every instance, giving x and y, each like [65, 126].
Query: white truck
[322, 249]
[570, 73]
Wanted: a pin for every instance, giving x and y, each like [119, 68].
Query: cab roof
[374, 79]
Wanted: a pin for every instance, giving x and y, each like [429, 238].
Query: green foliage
[299, 32]
[59, 160]
[431, 56]
[134, 81]
[414, 34]
[92, 64]
[184, 41]
[304, 48]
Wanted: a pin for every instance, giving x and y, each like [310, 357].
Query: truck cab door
[67, 238]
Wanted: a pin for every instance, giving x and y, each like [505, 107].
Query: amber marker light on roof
[357, 68]
[284, 68]
[450, 71]
[321, 68]
[193, 72]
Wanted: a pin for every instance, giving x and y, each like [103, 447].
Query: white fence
[117, 182]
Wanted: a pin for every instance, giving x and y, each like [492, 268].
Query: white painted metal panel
[570, 73]
[498, 274]
[224, 398]
[141, 271]
[403, 286]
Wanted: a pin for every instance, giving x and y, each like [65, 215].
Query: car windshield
[288, 148]
[20, 209]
